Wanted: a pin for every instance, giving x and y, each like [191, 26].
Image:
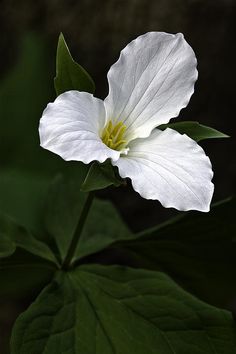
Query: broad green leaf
[107, 310]
[62, 210]
[22, 274]
[99, 177]
[69, 74]
[194, 130]
[26, 264]
[198, 250]
[103, 226]
[22, 238]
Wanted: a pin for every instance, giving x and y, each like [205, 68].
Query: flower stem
[75, 240]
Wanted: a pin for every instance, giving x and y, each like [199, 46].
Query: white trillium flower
[150, 83]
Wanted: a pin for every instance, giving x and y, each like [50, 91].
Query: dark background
[96, 31]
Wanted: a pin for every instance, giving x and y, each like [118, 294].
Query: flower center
[113, 135]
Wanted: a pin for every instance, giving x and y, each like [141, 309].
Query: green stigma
[113, 135]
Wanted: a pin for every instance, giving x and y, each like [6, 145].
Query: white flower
[150, 83]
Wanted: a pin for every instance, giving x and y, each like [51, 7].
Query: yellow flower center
[113, 135]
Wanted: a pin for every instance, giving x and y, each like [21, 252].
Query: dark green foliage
[69, 74]
[96, 309]
[194, 130]
[196, 249]
[100, 176]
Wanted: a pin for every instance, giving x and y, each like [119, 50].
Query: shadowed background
[96, 31]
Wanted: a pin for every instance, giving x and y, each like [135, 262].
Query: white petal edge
[151, 82]
[171, 168]
[70, 127]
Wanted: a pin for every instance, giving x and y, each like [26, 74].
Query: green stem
[75, 240]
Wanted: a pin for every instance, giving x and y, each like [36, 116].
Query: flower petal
[70, 127]
[151, 82]
[171, 168]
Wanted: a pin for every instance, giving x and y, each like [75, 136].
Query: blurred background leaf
[24, 94]
[198, 250]
[24, 239]
[61, 215]
[22, 196]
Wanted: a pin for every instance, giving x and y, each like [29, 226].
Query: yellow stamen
[113, 135]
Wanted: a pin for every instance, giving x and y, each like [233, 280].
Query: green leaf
[69, 74]
[100, 310]
[23, 274]
[197, 250]
[63, 208]
[99, 177]
[26, 264]
[103, 226]
[194, 130]
[19, 237]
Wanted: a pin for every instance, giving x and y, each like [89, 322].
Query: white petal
[171, 168]
[70, 127]
[151, 82]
